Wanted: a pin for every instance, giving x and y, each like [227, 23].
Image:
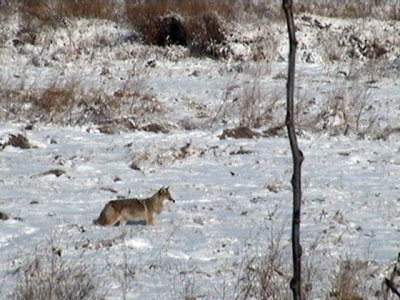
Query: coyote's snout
[126, 210]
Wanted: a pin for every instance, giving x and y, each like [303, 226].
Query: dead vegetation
[343, 112]
[264, 276]
[4, 216]
[380, 9]
[60, 103]
[69, 103]
[254, 110]
[239, 133]
[17, 140]
[179, 23]
[163, 156]
[212, 33]
[47, 275]
[52, 12]
[349, 280]
[161, 23]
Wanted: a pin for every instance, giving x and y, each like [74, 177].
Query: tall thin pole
[295, 283]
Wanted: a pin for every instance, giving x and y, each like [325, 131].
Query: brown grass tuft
[348, 280]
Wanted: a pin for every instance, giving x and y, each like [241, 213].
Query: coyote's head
[164, 194]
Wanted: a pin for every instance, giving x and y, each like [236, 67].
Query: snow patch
[138, 243]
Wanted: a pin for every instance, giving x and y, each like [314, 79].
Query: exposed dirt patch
[239, 133]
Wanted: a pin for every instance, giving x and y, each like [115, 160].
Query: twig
[165, 245]
[391, 286]
[395, 273]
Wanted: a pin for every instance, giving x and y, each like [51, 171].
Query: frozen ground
[233, 195]
[227, 204]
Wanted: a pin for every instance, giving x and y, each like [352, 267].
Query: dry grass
[49, 277]
[348, 282]
[248, 106]
[71, 103]
[257, 110]
[179, 22]
[380, 9]
[59, 103]
[140, 11]
[52, 12]
[201, 32]
[344, 110]
[267, 276]
[207, 35]
[159, 23]
[264, 276]
[146, 10]
[341, 111]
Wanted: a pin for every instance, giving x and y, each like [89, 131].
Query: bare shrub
[164, 30]
[264, 276]
[54, 103]
[255, 109]
[48, 277]
[344, 110]
[124, 271]
[207, 35]
[183, 282]
[179, 22]
[348, 282]
[56, 98]
[228, 106]
[250, 106]
[352, 44]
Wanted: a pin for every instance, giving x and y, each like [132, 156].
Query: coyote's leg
[113, 221]
[152, 219]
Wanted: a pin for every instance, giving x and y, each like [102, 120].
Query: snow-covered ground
[232, 195]
[226, 203]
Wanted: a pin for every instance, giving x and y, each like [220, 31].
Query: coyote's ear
[167, 188]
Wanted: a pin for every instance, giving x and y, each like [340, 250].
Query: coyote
[135, 209]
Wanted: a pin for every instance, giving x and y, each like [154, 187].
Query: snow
[228, 206]
[350, 199]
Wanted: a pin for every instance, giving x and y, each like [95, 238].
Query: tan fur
[126, 210]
